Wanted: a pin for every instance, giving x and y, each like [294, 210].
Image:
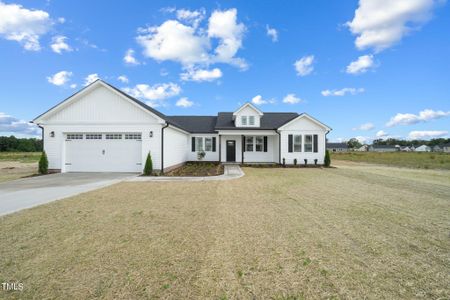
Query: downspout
[279, 146]
[162, 147]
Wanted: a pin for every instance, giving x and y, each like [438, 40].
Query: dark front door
[231, 151]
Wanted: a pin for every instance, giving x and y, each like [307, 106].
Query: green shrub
[148, 168]
[327, 160]
[43, 164]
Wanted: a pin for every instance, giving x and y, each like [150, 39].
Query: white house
[423, 148]
[103, 129]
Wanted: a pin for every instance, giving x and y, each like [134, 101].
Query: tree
[148, 168]
[327, 160]
[354, 143]
[43, 164]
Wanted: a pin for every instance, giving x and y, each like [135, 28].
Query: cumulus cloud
[129, 58]
[184, 102]
[12, 125]
[304, 66]
[258, 100]
[60, 78]
[193, 17]
[414, 135]
[291, 99]
[123, 79]
[198, 75]
[73, 85]
[59, 44]
[154, 94]
[423, 116]
[365, 126]
[342, 92]
[23, 25]
[381, 134]
[361, 65]
[272, 33]
[90, 79]
[382, 23]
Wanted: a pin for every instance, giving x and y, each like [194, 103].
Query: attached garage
[103, 152]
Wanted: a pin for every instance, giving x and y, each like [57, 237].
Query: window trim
[310, 144]
[300, 144]
[251, 121]
[74, 136]
[261, 143]
[242, 121]
[247, 143]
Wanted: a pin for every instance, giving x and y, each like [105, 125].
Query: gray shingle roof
[268, 120]
[195, 124]
[337, 145]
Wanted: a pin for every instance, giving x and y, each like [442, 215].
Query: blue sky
[366, 68]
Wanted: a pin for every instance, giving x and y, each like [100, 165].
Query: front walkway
[230, 172]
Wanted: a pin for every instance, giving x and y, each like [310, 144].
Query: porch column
[242, 148]
[220, 148]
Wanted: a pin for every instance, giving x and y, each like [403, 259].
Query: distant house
[406, 149]
[446, 148]
[363, 148]
[383, 148]
[423, 148]
[437, 148]
[337, 147]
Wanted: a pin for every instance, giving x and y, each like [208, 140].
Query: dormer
[247, 116]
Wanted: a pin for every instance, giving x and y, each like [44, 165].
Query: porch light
[52, 134]
[151, 134]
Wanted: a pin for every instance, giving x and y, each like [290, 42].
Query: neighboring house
[437, 148]
[363, 148]
[406, 149]
[446, 148]
[382, 148]
[102, 129]
[337, 147]
[423, 148]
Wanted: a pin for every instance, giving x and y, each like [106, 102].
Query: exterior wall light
[52, 134]
[151, 134]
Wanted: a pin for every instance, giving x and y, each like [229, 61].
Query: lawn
[355, 231]
[14, 165]
[421, 160]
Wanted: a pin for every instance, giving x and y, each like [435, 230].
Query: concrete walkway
[24, 193]
[230, 172]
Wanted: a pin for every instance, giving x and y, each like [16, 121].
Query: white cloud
[154, 94]
[59, 44]
[381, 134]
[427, 134]
[363, 139]
[304, 65]
[123, 79]
[361, 65]
[61, 20]
[382, 23]
[365, 126]
[291, 99]
[60, 78]
[342, 92]
[193, 17]
[184, 102]
[90, 79]
[423, 116]
[12, 125]
[73, 85]
[258, 100]
[129, 58]
[201, 75]
[23, 25]
[272, 33]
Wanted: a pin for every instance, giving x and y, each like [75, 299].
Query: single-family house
[437, 148]
[103, 129]
[337, 147]
[423, 148]
[363, 148]
[383, 148]
[446, 148]
[406, 149]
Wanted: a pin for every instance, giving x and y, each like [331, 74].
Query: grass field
[400, 159]
[356, 231]
[15, 165]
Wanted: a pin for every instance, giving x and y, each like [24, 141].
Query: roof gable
[248, 105]
[308, 117]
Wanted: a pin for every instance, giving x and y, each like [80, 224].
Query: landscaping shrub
[43, 164]
[295, 161]
[327, 160]
[148, 168]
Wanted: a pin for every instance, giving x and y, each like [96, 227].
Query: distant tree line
[13, 144]
[354, 143]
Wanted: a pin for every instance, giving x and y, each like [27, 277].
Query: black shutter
[214, 144]
[315, 141]
[243, 143]
[290, 143]
[193, 144]
[265, 144]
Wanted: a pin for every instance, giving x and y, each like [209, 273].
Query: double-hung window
[259, 144]
[308, 143]
[251, 120]
[297, 143]
[199, 144]
[244, 120]
[248, 143]
[208, 144]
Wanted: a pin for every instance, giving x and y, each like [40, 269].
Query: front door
[231, 151]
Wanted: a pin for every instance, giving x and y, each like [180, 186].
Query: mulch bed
[197, 169]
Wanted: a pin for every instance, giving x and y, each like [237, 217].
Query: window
[133, 136]
[259, 144]
[113, 136]
[251, 120]
[93, 136]
[199, 144]
[248, 143]
[208, 144]
[308, 143]
[297, 143]
[74, 136]
[244, 120]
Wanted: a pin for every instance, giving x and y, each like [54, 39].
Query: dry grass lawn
[357, 231]
[10, 170]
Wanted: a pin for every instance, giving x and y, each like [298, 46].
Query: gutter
[162, 147]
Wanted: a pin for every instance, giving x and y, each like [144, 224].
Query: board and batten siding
[175, 147]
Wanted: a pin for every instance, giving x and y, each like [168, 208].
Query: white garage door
[103, 152]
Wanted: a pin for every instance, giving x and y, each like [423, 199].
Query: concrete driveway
[28, 192]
